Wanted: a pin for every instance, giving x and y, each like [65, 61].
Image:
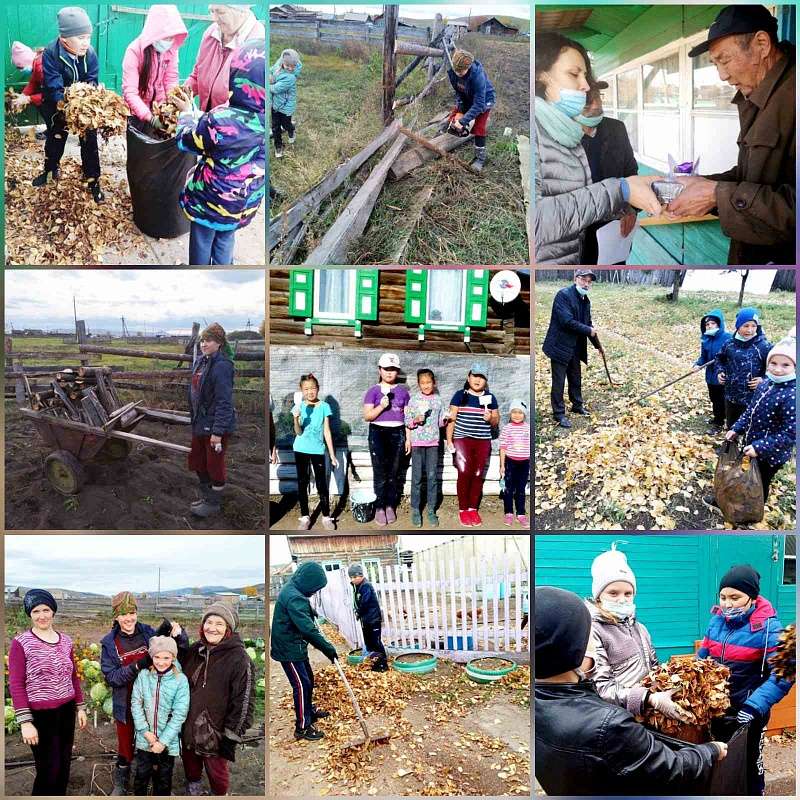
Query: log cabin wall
[503, 337]
[345, 549]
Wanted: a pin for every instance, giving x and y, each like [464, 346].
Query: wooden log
[285, 222]
[412, 159]
[390, 20]
[171, 417]
[183, 373]
[71, 408]
[84, 372]
[124, 409]
[91, 403]
[417, 61]
[412, 218]
[135, 437]
[402, 48]
[435, 149]
[127, 351]
[424, 92]
[104, 395]
[71, 354]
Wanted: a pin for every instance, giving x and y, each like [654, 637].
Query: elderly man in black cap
[608, 148]
[565, 344]
[584, 745]
[755, 200]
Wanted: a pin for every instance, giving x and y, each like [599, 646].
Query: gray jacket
[566, 201]
[624, 654]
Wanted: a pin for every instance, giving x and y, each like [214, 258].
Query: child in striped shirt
[473, 412]
[515, 462]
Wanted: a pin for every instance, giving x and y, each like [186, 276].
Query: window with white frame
[372, 568]
[335, 293]
[446, 296]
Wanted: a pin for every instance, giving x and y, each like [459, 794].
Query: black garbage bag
[156, 175]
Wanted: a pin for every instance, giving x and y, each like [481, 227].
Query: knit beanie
[73, 21]
[226, 612]
[519, 405]
[748, 314]
[216, 332]
[123, 603]
[742, 577]
[38, 597]
[563, 624]
[609, 567]
[162, 644]
[785, 347]
[355, 570]
[462, 60]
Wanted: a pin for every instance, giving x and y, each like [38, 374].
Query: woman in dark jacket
[124, 654]
[222, 699]
[213, 418]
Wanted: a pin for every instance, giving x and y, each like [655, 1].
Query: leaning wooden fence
[330, 31]
[461, 608]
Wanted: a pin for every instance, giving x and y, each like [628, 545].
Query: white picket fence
[459, 608]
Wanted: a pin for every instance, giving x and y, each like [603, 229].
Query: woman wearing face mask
[567, 202]
[743, 635]
[713, 337]
[620, 645]
[150, 65]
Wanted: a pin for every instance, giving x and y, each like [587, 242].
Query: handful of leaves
[88, 107]
[701, 687]
[784, 662]
[167, 113]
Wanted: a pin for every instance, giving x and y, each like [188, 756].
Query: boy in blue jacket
[474, 102]
[768, 423]
[368, 611]
[743, 635]
[742, 362]
[67, 60]
[283, 91]
[713, 337]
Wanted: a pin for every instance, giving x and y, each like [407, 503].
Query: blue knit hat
[748, 314]
[38, 597]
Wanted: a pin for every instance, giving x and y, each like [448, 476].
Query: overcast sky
[428, 10]
[106, 564]
[279, 546]
[168, 300]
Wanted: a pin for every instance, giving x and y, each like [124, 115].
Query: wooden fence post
[390, 18]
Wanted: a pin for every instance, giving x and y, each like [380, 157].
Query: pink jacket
[211, 73]
[162, 22]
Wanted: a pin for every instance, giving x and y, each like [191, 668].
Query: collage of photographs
[523, 268]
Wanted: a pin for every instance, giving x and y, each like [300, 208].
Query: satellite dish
[504, 286]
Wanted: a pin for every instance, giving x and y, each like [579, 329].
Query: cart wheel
[116, 449]
[64, 472]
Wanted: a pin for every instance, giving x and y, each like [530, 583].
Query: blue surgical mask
[733, 613]
[621, 609]
[589, 122]
[162, 45]
[711, 331]
[781, 378]
[571, 102]
[581, 291]
[741, 338]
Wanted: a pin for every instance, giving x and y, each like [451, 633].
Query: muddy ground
[445, 751]
[284, 512]
[151, 490]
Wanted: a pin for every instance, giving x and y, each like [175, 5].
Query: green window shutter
[416, 295]
[367, 293]
[477, 298]
[301, 292]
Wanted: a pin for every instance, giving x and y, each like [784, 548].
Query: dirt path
[453, 737]
[150, 490]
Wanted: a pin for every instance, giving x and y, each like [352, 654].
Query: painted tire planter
[355, 656]
[416, 663]
[479, 671]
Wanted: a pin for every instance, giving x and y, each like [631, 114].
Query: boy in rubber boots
[368, 612]
[293, 627]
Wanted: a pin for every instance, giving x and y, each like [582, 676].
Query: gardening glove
[157, 123]
[164, 628]
[227, 748]
[663, 702]
[329, 651]
[744, 716]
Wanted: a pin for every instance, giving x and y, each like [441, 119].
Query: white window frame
[351, 298]
[440, 323]
[367, 562]
[334, 565]
[686, 111]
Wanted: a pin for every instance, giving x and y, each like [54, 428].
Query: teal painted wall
[677, 577]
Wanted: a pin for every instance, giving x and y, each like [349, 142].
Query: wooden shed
[491, 26]
[338, 552]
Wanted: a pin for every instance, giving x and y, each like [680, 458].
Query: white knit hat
[785, 347]
[609, 567]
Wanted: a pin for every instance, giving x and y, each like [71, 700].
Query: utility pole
[390, 19]
[158, 591]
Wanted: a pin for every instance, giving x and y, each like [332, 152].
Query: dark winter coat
[570, 326]
[121, 678]
[609, 151]
[741, 361]
[222, 696]
[768, 423]
[211, 406]
[745, 645]
[225, 189]
[474, 92]
[293, 625]
[61, 69]
[368, 609]
[711, 345]
[587, 746]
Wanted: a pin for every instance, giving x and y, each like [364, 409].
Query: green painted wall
[677, 577]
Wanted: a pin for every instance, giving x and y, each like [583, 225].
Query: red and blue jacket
[745, 644]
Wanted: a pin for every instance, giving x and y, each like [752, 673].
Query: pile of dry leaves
[88, 107]
[167, 114]
[60, 223]
[701, 687]
[784, 662]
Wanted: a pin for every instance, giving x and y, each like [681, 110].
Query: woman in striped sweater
[46, 693]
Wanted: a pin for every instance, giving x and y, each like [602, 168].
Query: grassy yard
[641, 466]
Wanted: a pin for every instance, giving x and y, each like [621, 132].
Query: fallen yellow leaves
[784, 662]
[88, 107]
[166, 112]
